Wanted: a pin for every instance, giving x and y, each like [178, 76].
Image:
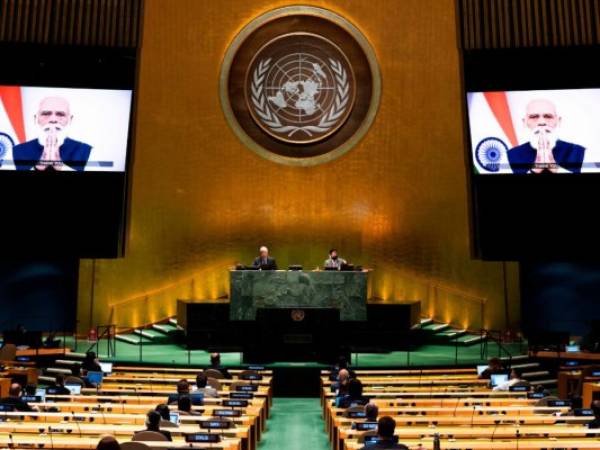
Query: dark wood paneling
[106, 23]
[488, 24]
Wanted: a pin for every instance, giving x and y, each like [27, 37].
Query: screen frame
[495, 201]
[472, 164]
[494, 379]
[128, 139]
[91, 67]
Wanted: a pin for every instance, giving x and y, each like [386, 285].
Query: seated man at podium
[264, 261]
[334, 261]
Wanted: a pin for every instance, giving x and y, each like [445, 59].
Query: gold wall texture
[396, 203]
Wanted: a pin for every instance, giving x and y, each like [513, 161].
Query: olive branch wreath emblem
[272, 121]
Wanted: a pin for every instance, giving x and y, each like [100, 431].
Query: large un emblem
[300, 88]
[300, 85]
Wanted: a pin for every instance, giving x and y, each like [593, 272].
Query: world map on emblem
[300, 88]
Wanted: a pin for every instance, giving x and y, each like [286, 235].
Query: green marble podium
[252, 289]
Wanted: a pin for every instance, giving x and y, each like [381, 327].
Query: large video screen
[534, 132]
[64, 129]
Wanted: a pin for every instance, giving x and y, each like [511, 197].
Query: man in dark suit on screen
[545, 152]
[52, 149]
[264, 261]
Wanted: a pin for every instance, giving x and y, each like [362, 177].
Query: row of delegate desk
[119, 406]
[461, 409]
[578, 373]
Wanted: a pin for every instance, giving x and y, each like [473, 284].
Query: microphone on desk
[443, 397]
[137, 395]
[76, 423]
[497, 422]
[456, 406]
[103, 416]
[473, 415]
[11, 444]
[50, 433]
[93, 416]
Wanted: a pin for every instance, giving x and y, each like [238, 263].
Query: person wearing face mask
[545, 151]
[52, 149]
[334, 261]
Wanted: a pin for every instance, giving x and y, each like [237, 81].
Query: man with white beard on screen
[52, 149]
[545, 152]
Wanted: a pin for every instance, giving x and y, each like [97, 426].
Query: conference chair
[248, 372]
[214, 383]
[74, 380]
[167, 424]
[353, 409]
[149, 436]
[214, 373]
[233, 386]
[544, 401]
[134, 446]
[225, 419]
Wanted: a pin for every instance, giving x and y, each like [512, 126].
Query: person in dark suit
[183, 388]
[545, 152]
[494, 366]
[59, 385]
[153, 424]
[184, 406]
[264, 261]
[91, 363]
[52, 149]
[164, 411]
[385, 436]
[14, 399]
[342, 363]
[354, 397]
[215, 364]
[371, 411]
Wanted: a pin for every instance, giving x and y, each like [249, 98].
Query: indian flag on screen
[12, 123]
[492, 131]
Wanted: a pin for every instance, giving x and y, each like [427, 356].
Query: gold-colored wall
[201, 201]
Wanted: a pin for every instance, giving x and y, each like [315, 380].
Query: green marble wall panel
[252, 289]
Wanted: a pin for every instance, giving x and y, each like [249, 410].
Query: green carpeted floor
[427, 355]
[295, 424]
